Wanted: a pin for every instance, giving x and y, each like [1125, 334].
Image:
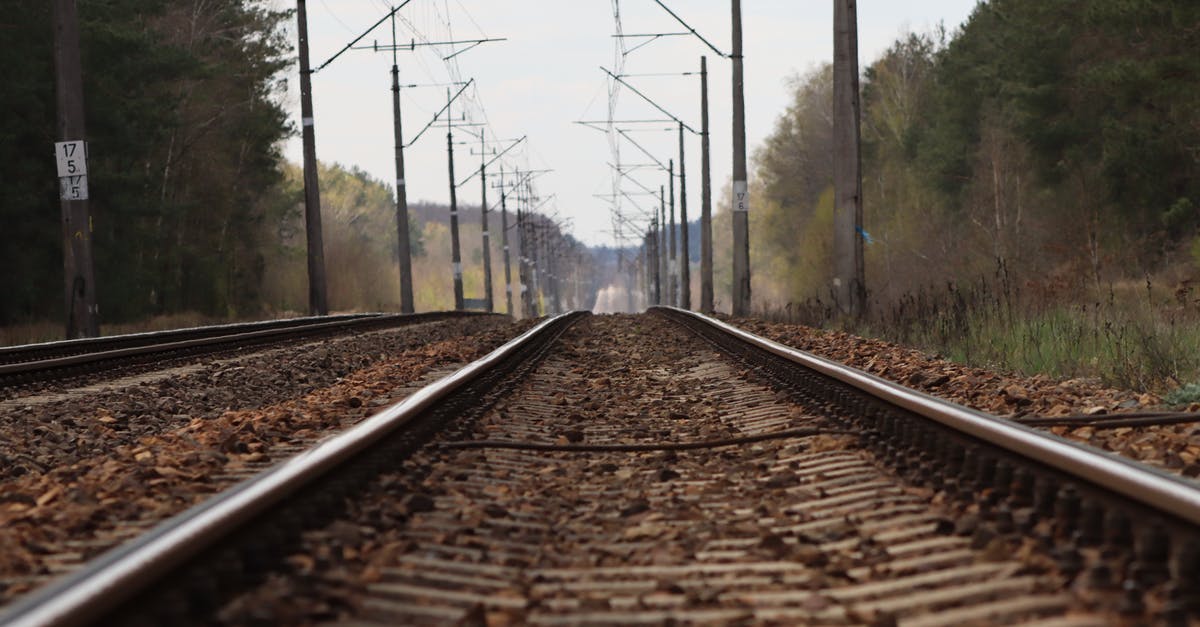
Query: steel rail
[124, 572]
[61, 348]
[1132, 480]
[12, 370]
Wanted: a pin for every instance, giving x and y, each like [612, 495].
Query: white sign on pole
[72, 169]
[71, 157]
[741, 197]
[73, 187]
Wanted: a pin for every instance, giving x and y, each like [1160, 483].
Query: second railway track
[35, 363]
[629, 472]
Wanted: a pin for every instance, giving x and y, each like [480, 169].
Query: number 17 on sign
[71, 158]
[741, 199]
[73, 187]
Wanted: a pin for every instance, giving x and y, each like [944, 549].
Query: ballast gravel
[100, 466]
[1175, 448]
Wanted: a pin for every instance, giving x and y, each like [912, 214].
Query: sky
[546, 76]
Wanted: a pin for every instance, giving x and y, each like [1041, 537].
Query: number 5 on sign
[741, 199]
[71, 157]
[73, 187]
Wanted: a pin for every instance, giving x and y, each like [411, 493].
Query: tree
[184, 131]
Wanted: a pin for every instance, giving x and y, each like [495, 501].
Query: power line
[692, 30]
[649, 100]
[360, 37]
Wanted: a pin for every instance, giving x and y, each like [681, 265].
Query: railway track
[664, 468]
[22, 365]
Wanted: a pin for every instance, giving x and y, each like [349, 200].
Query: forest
[1039, 165]
[184, 126]
[1060, 141]
[196, 213]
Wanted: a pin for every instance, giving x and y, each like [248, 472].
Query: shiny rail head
[1130, 479]
[84, 343]
[37, 361]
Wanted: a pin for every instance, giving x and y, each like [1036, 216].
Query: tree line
[184, 131]
[195, 209]
[1056, 142]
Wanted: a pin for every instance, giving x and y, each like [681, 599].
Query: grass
[1128, 337]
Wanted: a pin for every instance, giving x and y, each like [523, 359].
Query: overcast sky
[547, 76]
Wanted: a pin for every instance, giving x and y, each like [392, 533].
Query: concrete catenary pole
[664, 271]
[487, 245]
[673, 260]
[555, 263]
[644, 268]
[83, 315]
[531, 244]
[529, 251]
[848, 281]
[318, 303]
[706, 243]
[741, 193]
[404, 250]
[522, 259]
[508, 303]
[455, 251]
[685, 271]
[655, 260]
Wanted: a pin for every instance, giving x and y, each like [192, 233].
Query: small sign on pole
[73, 187]
[741, 199]
[71, 158]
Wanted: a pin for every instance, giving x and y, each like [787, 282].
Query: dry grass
[1128, 335]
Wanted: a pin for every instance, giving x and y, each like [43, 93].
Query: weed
[1123, 336]
[1185, 395]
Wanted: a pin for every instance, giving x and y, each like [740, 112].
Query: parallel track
[41, 362]
[750, 555]
[67, 348]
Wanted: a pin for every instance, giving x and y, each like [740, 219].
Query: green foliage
[1185, 395]
[1055, 142]
[184, 129]
[30, 255]
[1104, 86]
[1055, 139]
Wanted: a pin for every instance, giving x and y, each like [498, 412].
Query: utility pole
[545, 267]
[522, 273]
[706, 243]
[685, 271]
[849, 282]
[672, 267]
[536, 277]
[79, 274]
[402, 223]
[402, 237]
[508, 304]
[741, 193]
[487, 245]
[644, 267]
[529, 261]
[455, 254]
[651, 265]
[663, 270]
[318, 303]
[555, 263]
[530, 244]
[655, 256]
